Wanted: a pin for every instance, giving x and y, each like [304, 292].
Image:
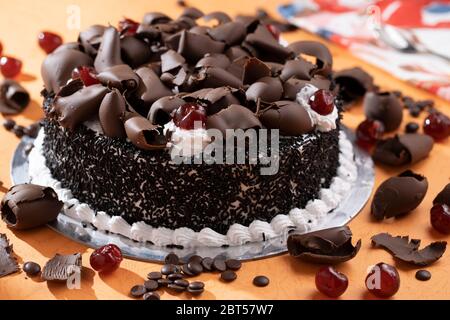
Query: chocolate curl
[109, 52]
[143, 134]
[192, 13]
[353, 84]
[220, 16]
[121, 77]
[111, 115]
[213, 77]
[216, 99]
[266, 89]
[171, 60]
[61, 268]
[57, 68]
[73, 109]
[8, 263]
[194, 46]
[161, 110]
[155, 18]
[27, 206]
[254, 69]
[135, 52]
[69, 46]
[233, 117]
[13, 97]
[287, 116]
[443, 197]
[151, 88]
[235, 53]
[299, 68]
[91, 38]
[384, 107]
[319, 51]
[293, 86]
[232, 33]
[266, 47]
[218, 60]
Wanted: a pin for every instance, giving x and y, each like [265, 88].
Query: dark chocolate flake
[13, 97]
[144, 135]
[319, 51]
[408, 250]
[194, 46]
[62, 267]
[384, 107]
[8, 263]
[120, 76]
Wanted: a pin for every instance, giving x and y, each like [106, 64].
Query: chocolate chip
[411, 127]
[152, 296]
[196, 285]
[31, 268]
[195, 292]
[423, 275]
[9, 124]
[182, 283]
[195, 258]
[187, 271]
[151, 285]
[172, 258]
[175, 276]
[8, 263]
[168, 269]
[176, 288]
[414, 111]
[138, 291]
[195, 268]
[233, 264]
[261, 281]
[207, 264]
[228, 276]
[19, 131]
[164, 282]
[155, 275]
[219, 264]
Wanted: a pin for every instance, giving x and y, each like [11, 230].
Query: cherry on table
[440, 218]
[331, 282]
[186, 116]
[322, 102]
[369, 132]
[437, 125]
[86, 74]
[10, 67]
[49, 41]
[106, 258]
[383, 280]
[129, 25]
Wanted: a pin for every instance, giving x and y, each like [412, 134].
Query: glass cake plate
[73, 229]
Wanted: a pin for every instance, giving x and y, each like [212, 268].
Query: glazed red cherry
[322, 102]
[86, 74]
[383, 280]
[106, 259]
[274, 31]
[129, 25]
[10, 67]
[49, 41]
[331, 282]
[437, 125]
[369, 132]
[189, 113]
[440, 218]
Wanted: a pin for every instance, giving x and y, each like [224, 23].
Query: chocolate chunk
[193, 13]
[232, 33]
[228, 276]
[151, 285]
[408, 250]
[172, 258]
[8, 263]
[218, 60]
[254, 69]
[138, 291]
[233, 264]
[151, 88]
[135, 52]
[299, 68]
[353, 84]
[62, 267]
[144, 135]
[13, 97]
[266, 89]
[384, 107]
[287, 116]
[330, 246]
[261, 281]
[155, 275]
[155, 18]
[161, 109]
[411, 127]
[220, 16]
[186, 270]
[91, 38]
[404, 149]
[31, 268]
[109, 52]
[207, 264]
[443, 197]
[266, 46]
[120, 76]
[233, 117]
[152, 296]
[57, 68]
[111, 115]
[194, 46]
[171, 60]
[27, 206]
[399, 195]
[315, 49]
[423, 275]
[219, 264]
[72, 110]
[214, 77]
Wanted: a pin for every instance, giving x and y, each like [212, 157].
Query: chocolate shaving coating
[27, 206]
[353, 84]
[111, 114]
[61, 268]
[214, 77]
[120, 76]
[109, 53]
[317, 50]
[193, 13]
[408, 250]
[384, 107]
[233, 117]
[8, 263]
[443, 197]
[399, 195]
[13, 97]
[330, 246]
[171, 60]
[266, 46]
[143, 134]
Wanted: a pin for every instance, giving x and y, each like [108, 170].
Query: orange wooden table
[21, 20]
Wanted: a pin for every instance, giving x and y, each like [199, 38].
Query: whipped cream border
[304, 220]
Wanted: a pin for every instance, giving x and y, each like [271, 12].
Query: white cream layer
[304, 219]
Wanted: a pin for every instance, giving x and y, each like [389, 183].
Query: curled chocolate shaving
[143, 134]
[254, 69]
[13, 97]
[232, 33]
[299, 68]
[27, 206]
[171, 60]
[120, 76]
[161, 110]
[235, 53]
[215, 99]
[265, 46]
[330, 246]
[353, 84]
[91, 38]
[266, 89]
[318, 50]
[8, 263]
[193, 13]
[408, 250]
[220, 16]
[155, 18]
[61, 268]
[233, 117]
[214, 77]
[399, 195]
[194, 46]
[218, 60]
[384, 107]
[287, 116]
[135, 52]
[111, 115]
[293, 86]
[443, 197]
[109, 52]
[57, 67]
[151, 88]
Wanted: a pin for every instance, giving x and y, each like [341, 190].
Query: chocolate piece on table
[266, 89]
[62, 267]
[423, 275]
[111, 114]
[233, 264]
[443, 197]
[353, 84]
[27, 206]
[233, 117]
[151, 88]
[31, 268]
[228, 276]
[135, 52]
[231, 33]
[13, 97]
[408, 250]
[324, 59]
[261, 281]
[109, 53]
[152, 296]
[154, 275]
[399, 195]
[138, 291]
[219, 264]
[254, 69]
[120, 76]
[162, 108]
[384, 107]
[91, 38]
[172, 258]
[8, 263]
[143, 134]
